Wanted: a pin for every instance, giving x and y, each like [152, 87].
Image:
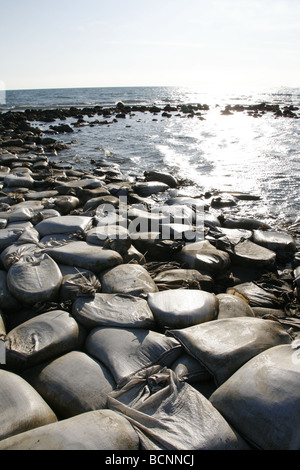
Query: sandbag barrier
[120, 331]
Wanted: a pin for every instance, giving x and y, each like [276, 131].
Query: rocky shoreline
[127, 313]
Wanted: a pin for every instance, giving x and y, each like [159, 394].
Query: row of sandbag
[77, 382]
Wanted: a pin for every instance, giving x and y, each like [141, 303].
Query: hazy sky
[83, 43]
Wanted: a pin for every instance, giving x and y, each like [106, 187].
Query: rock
[96, 430]
[165, 178]
[128, 279]
[119, 310]
[57, 382]
[22, 408]
[182, 308]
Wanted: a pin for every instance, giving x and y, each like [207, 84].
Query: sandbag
[8, 303]
[42, 338]
[18, 180]
[57, 382]
[14, 252]
[22, 408]
[79, 284]
[34, 279]
[232, 306]
[84, 255]
[189, 278]
[95, 430]
[125, 351]
[9, 236]
[119, 310]
[256, 295]
[245, 223]
[181, 308]
[171, 415]
[262, 399]
[223, 346]
[275, 241]
[64, 224]
[145, 189]
[2, 326]
[131, 279]
[250, 254]
[188, 369]
[203, 256]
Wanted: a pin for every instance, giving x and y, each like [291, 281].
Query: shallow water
[229, 153]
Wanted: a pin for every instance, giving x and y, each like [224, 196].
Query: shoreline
[66, 245]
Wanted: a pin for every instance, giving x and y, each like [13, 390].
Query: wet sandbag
[34, 279]
[168, 414]
[275, 241]
[2, 326]
[94, 430]
[125, 351]
[131, 279]
[14, 253]
[256, 295]
[8, 303]
[245, 223]
[9, 236]
[223, 346]
[119, 310]
[166, 178]
[22, 408]
[145, 189]
[177, 278]
[84, 255]
[66, 204]
[64, 224]
[188, 369]
[42, 338]
[18, 180]
[79, 284]
[72, 384]
[203, 256]
[250, 254]
[262, 399]
[231, 306]
[181, 308]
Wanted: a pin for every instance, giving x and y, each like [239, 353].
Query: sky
[198, 43]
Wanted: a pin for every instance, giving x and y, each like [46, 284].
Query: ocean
[214, 152]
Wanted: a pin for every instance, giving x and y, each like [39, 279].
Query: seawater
[235, 153]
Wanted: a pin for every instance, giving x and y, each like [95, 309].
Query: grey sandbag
[171, 415]
[275, 241]
[250, 254]
[2, 326]
[72, 384]
[119, 310]
[223, 346]
[125, 351]
[203, 256]
[22, 408]
[177, 278]
[34, 279]
[79, 284]
[256, 295]
[181, 308]
[187, 368]
[262, 399]
[94, 430]
[130, 279]
[7, 301]
[233, 306]
[44, 337]
[64, 224]
[84, 255]
[9, 236]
